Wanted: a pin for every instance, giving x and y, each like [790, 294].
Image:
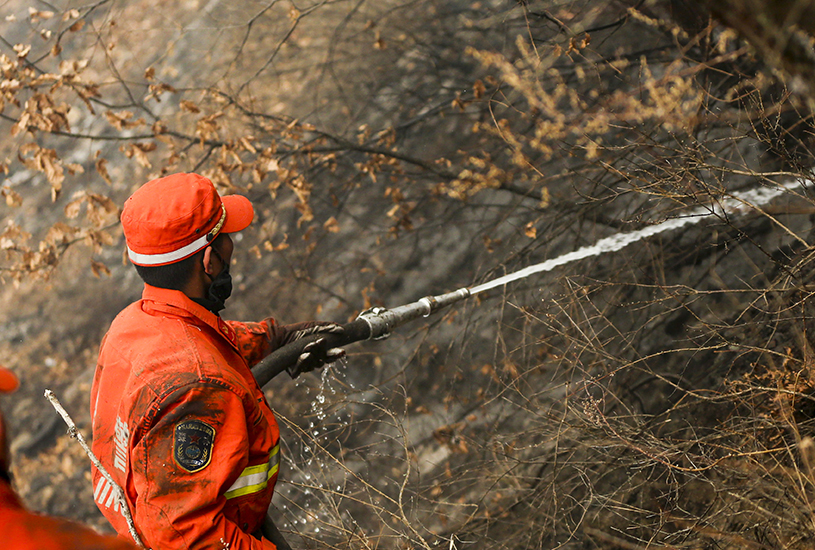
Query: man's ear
[208, 262]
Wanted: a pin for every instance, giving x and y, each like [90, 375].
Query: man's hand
[317, 353]
[318, 328]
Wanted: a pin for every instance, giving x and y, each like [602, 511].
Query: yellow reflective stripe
[252, 470]
[248, 489]
[254, 479]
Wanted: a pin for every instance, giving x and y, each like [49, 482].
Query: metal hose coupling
[382, 321]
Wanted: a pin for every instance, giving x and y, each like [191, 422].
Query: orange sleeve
[257, 340]
[181, 509]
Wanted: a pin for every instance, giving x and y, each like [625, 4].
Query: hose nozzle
[382, 321]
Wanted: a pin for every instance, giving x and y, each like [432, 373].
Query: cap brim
[239, 213]
[8, 381]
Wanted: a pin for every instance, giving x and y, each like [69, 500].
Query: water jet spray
[378, 323]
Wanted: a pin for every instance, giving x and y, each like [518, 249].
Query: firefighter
[178, 419]
[22, 530]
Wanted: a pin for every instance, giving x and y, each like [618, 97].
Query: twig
[74, 432]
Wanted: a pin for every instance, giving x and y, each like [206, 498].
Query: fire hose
[373, 324]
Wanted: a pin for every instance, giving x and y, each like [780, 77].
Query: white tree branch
[74, 432]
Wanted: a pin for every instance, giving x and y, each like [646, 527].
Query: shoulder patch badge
[192, 444]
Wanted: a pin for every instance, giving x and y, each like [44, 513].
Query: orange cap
[171, 218]
[8, 381]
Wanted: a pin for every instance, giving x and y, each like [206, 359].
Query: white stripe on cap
[168, 257]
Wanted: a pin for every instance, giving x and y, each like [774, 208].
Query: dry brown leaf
[36, 14]
[511, 369]
[22, 50]
[332, 225]
[246, 143]
[102, 170]
[99, 269]
[530, 230]
[74, 168]
[72, 209]
[53, 171]
[138, 151]
[98, 240]
[133, 151]
[207, 127]
[158, 128]
[122, 120]
[379, 43]
[61, 233]
[479, 89]
[154, 90]
[103, 202]
[13, 199]
[21, 125]
[189, 106]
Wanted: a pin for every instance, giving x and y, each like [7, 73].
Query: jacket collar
[175, 302]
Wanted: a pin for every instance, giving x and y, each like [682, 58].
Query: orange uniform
[182, 426]
[22, 530]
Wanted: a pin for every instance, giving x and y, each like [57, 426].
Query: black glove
[316, 353]
[318, 328]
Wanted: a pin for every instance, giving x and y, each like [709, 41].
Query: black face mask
[220, 289]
